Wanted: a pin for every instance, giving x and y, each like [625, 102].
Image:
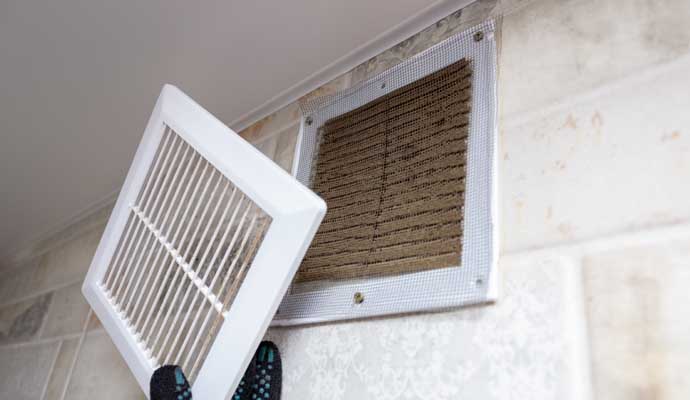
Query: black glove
[169, 383]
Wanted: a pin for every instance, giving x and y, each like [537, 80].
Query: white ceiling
[78, 80]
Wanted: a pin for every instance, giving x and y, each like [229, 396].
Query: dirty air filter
[392, 173]
[406, 162]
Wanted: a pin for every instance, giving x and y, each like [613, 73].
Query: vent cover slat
[219, 226]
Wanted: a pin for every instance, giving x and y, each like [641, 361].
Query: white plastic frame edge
[296, 213]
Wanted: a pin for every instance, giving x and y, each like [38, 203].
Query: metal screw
[479, 281]
[359, 298]
[478, 36]
[309, 120]
[383, 85]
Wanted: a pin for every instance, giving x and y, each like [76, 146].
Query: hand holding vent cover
[204, 239]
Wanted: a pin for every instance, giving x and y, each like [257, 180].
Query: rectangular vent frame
[241, 296]
[475, 279]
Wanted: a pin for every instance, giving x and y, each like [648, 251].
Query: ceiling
[78, 80]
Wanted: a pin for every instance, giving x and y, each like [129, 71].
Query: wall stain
[597, 123]
[675, 135]
[24, 324]
[645, 322]
[519, 205]
[565, 229]
[570, 122]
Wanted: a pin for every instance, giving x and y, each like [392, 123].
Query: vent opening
[406, 161]
[393, 175]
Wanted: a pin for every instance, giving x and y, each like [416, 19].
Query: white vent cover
[201, 246]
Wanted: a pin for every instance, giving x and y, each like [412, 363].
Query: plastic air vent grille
[188, 242]
[204, 239]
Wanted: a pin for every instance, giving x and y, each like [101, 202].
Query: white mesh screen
[473, 279]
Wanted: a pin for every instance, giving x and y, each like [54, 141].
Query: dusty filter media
[393, 175]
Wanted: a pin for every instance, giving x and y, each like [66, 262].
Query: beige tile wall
[49, 349]
[595, 201]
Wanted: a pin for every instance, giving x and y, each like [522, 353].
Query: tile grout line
[576, 324]
[44, 319]
[19, 345]
[636, 77]
[52, 370]
[43, 292]
[77, 351]
[54, 239]
[617, 240]
[504, 10]
[275, 133]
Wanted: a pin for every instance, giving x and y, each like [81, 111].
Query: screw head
[309, 120]
[479, 282]
[383, 85]
[478, 36]
[358, 298]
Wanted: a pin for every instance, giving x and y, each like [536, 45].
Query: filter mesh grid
[470, 281]
[392, 173]
[189, 241]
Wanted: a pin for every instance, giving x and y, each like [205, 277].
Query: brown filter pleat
[393, 175]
